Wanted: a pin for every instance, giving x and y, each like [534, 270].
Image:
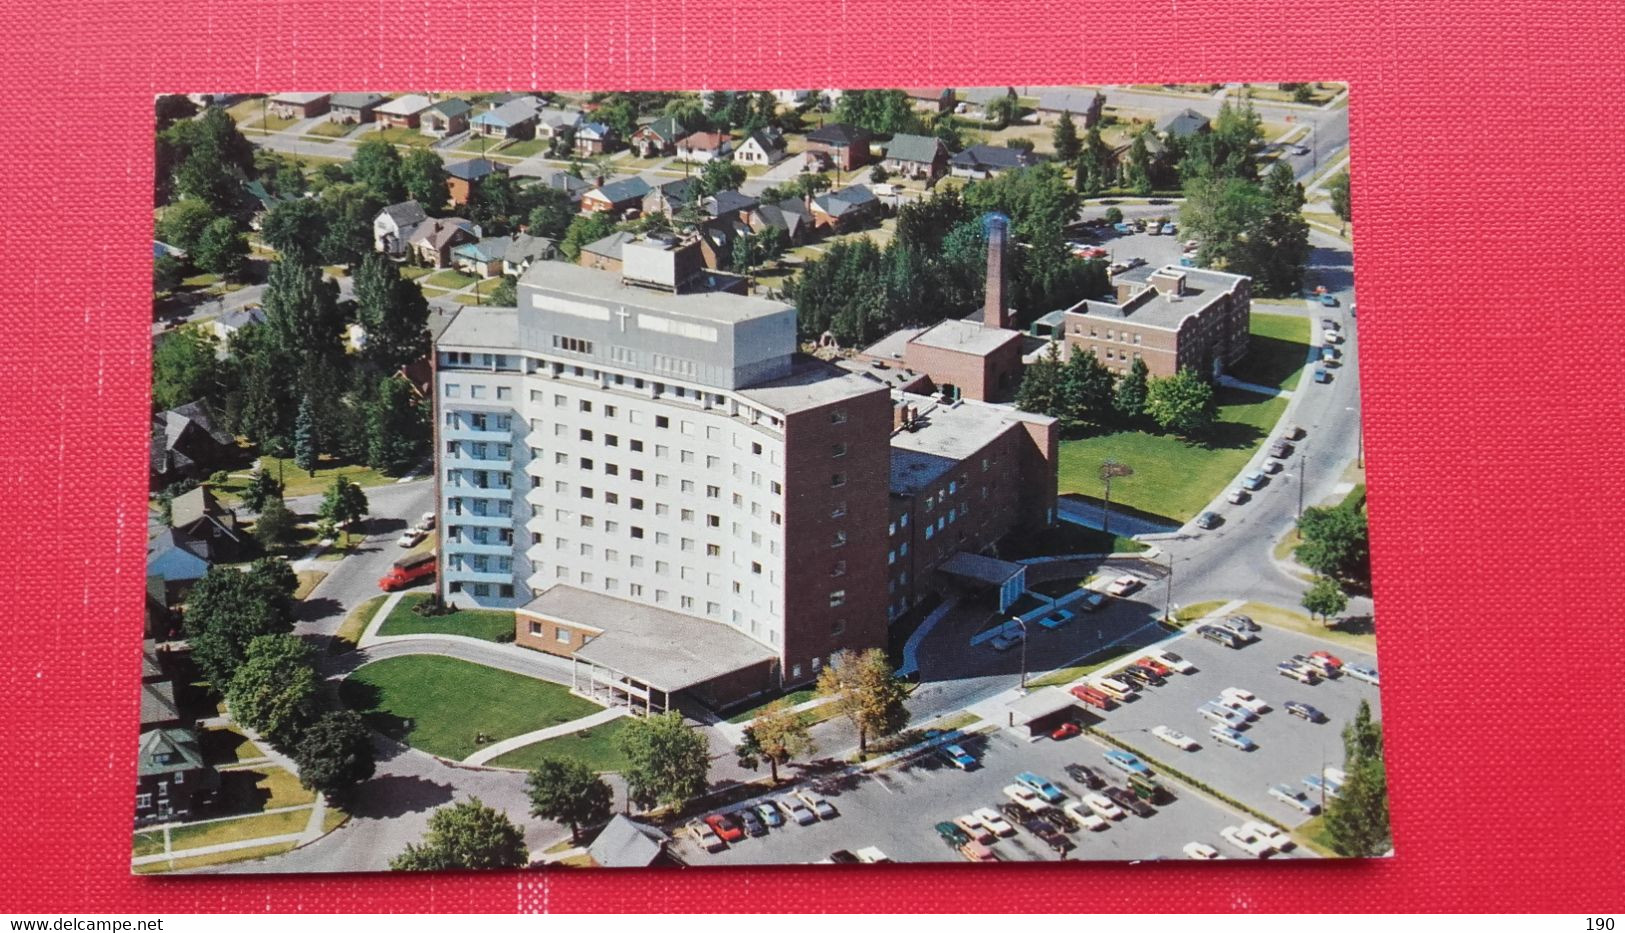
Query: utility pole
[1108, 469]
[1023, 625]
[1303, 480]
[1168, 605]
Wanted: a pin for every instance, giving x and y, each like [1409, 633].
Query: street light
[1303, 477]
[1023, 626]
[1168, 606]
[1108, 469]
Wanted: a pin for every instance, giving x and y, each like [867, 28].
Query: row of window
[499, 361]
[600, 379]
[486, 508]
[482, 590]
[455, 390]
[1077, 329]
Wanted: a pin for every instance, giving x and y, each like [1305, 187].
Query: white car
[1201, 851]
[1174, 661]
[1024, 797]
[1235, 706]
[1124, 585]
[706, 836]
[1238, 496]
[1295, 798]
[798, 811]
[1102, 806]
[1176, 739]
[1330, 337]
[411, 537]
[1246, 842]
[1235, 696]
[872, 855]
[1083, 816]
[426, 522]
[1228, 736]
[996, 823]
[1362, 672]
[820, 806]
[975, 829]
[1270, 834]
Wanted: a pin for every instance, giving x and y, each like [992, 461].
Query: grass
[441, 704]
[274, 123]
[1276, 352]
[248, 827]
[298, 483]
[226, 746]
[329, 129]
[410, 271]
[1313, 835]
[525, 148]
[217, 858]
[1172, 477]
[796, 699]
[593, 747]
[401, 136]
[308, 580]
[1065, 538]
[957, 721]
[1196, 610]
[333, 818]
[1299, 622]
[450, 279]
[265, 788]
[487, 624]
[148, 843]
[1091, 663]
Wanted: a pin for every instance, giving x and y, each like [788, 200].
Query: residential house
[482, 258]
[704, 147]
[187, 441]
[728, 205]
[918, 157]
[257, 201]
[595, 139]
[792, 98]
[446, 118]
[180, 559]
[983, 161]
[838, 145]
[353, 108]
[515, 119]
[658, 138]
[1186, 122]
[394, 225]
[433, 240]
[1155, 148]
[523, 250]
[846, 209]
[671, 196]
[551, 121]
[763, 147]
[792, 216]
[199, 515]
[463, 176]
[402, 111]
[299, 106]
[605, 253]
[931, 99]
[974, 101]
[158, 707]
[160, 622]
[172, 780]
[627, 843]
[616, 198]
[231, 323]
[716, 239]
[1084, 105]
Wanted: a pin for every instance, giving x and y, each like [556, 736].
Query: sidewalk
[498, 749]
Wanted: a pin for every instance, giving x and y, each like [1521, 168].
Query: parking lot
[896, 810]
[1289, 748]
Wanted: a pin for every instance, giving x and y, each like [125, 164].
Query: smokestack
[996, 306]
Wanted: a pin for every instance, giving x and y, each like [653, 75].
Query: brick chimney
[996, 306]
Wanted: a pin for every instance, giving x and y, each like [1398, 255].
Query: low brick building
[297, 106]
[1182, 318]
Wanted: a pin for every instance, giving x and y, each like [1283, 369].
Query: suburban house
[353, 108]
[464, 175]
[524, 249]
[594, 139]
[627, 843]
[704, 147]
[763, 147]
[1084, 106]
[918, 157]
[482, 258]
[179, 559]
[792, 216]
[1186, 122]
[550, 121]
[198, 514]
[402, 111]
[231, 323]
[616, 198]
[838, 145]
[515, 119]
[605, 253]
[791, 98]
[728, 205]
[187, 441]
[846, 209]
[670, 196]
[159, 622]
[572, 186]
[258, 201]
[974, 101]
[931, 99]
[658, 138]
[299, 106]
[447, 118]
[433, 240]
[393, 225]
[158, 708]
[983, 161]
[172, 780]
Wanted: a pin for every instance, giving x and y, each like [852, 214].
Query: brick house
[839, 145]
[446, 118]
[353, 108]
[172, 780]
[463, 176]
[616, 198]
[299, 106]
[433, 240]
[658, 138]
[595, 139]
[919, 157]
[1183, 318]
[402, 111]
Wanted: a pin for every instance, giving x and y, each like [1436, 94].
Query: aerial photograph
[739, 477]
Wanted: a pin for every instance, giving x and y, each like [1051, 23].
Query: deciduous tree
[569, 792]
[1325, 598]
[1338, 187]
[344, 503]
[335, 753]
[182, 224]
[1086, 389]
[1129, 397]
[184, 367]
[295, 230]
[1181, 403]
[721, 175]
[229, 608]
[423, 176]
[1040, 390]
[1336, 542]
[222, 249]
[377, 165]
[583, 230]
[274, 690]
[777, 735]
[865, 689]
[668, 762]
[393, 312]
[552, 214]
[467, 834]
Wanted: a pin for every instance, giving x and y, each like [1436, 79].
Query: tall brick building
[1182, 318]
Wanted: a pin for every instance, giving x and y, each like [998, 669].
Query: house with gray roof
[627, 843]
[616, 197]
[402, 111]
[446, 118]
[1186, 122]
[393, 227]
[931, 99]
[464, 175]
[838, 145]
[173, 782]
[231, 323]
[845, 209]
[353, 108]
[671, 196]
[919, 157]
[187, 441]
[482, 258]
[199, 514]
[515, 119]
[524, 249]
[299, 106]
[1085, 105]
[982, 161]
[763, 147]
[792, 216]
[605, 253]
[433, 240]
[725, 204]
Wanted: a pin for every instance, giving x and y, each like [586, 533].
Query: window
[661, 421]
[586, 406]
[756, 448]
[662, 451]
[612, 498]
[837, 598]
[687, 602]
[837, 627]
[453, 390]
[891, 556]
[686, 456]
[637, 475]
[713, 550]
[634, 589]
[636, 445]
[839, 511]
[610, 440]
[837, 480]
[687, 486]
[562, 635]
[560, 401]
[837, 450]
[837, 416]
[586, 492]
[775, 488]
[609, 411]
[839, 540]
[586, 463]
[504, 393]
[755, 567]
[687, 514]
[585, 434]
[535, 628]
[637, 532]
[713, 492]
[662, 508]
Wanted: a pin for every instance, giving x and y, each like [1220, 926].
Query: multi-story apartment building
[1182, 318]
[662, 488]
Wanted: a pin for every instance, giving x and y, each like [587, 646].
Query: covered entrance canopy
[1009, 579]
[1041, 710]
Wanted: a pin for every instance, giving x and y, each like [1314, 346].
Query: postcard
[740, 477]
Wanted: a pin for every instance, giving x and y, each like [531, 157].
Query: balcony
[474, 576]
[466, 459]
[466, 545]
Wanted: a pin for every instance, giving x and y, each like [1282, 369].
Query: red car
[725, 827]
[1162, 670]
[1327, 659]
[1065, 731]
[1092, 697]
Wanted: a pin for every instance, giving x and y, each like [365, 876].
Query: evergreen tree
[1129, 399]
[262, 488]
[1065, 137]
[583, 230]
[349, 209]
[167, 273]
[396, 429]
[1357, 819]
[1277, 246]
[393, 312]
[302, 312]
[1139, 167]
[1040, 390]
[306, 447]
[277, 526]
[263, 400]
[1095, 172]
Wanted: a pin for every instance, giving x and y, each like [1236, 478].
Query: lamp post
[1108, 469]
[1023, 626]
[1168, 605]
[1303, 477]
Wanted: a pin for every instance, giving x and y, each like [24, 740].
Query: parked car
[1242, 623]
[751, 821]
[1327, 323]
[724, 826]
[411, 537]
[959, 758]
[1293, 797]
[1091, 600]
[1024, 797]
[1237, 496]
[798, 811]
[1058, 818]
[1208, 521]
[820, 806]
[1218, 635]
[1362, 672]
[1084, 817]
[1103, 806]
[1280, 450]
[1176, 739]
[1223, 715]
[706, 836]
[1116, 688]
[1135, 676]
[952, 835]
[1152, 664]
[1006, 641]
[1322, 375]
[770, 813]
[1065, 730]
[976, 829]
[977, 852]
[1127, 762]
[1272, 467]
[1270, 834]
[1232, 738]
[994, 822]
[1249, 843]
[1125, 798]
[1041, 787]
[1056, 619]
[1092, 697]
[1085, 775]
[1174, 661]
[1200, 851]
[1253, 481]
[1328, 301]
[1328, 664]
[1013, 813]
[1044, 831]
[1245, 699]
[1169, 229]
[1319, 786]
[1294, 432]
[1293, 671]
[1125, 584]
[1303, 711]
[872, 855]
[426, 522]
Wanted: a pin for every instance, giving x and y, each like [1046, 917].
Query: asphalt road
[354, 579]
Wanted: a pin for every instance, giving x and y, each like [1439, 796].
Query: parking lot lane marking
[876, 778]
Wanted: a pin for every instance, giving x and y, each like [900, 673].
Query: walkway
[498, 749]
[1231, 382]
[1092, 516]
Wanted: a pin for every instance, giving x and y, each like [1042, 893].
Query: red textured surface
[1488, 140]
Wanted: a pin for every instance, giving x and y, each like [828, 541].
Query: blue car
[1126, 762]
[959, 758]
[1041, 787]
[1123, 228]
[1322, 375]
[1328, 301]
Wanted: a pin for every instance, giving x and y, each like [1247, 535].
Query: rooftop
[1070, 100]
[812, 383]
[666, 650]
[606, 287]
[497, 328]
[472, 169]
[626, 843]
[356, 101]
[965, 336]
[944, 435]
[406, 106]
[980, 568]
[1151, 307]
[299, 98]
[837, 134]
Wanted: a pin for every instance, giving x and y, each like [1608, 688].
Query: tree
[262, 488]
[274, 690]
[468, 834]
[495, 204]
[668, 762]
[262, 399]
[584, 229]
[210, 159]
[1130, 395]
[1303, 94]
[1277, 245]
[776, 735]
[306, 446]
[184, 367]
[887, 112]
[1085, 394]
[276, 525]
[878, 174]
[335, 753]
[167, 272]
[349, 210]
[289, 180]
[396, 428]
[423, 176]
[182, 223]
[1338, 187]
[1065, 137]
[1040, 390]
[569, 792]
[1357, 819]
[505, 293]
[1138, 179]
[171, 108]
[1336, 542]
[1325, 599]
[1114, 215]
[720, 175]
[552, 214]
[393, 312]
[302, 312]
[229, 608]
[343, 504]
[295, 229]
[1181, 403]
[1095, 170]
[1003, 111]
[865, 690]
[377, 165]
[222, 249]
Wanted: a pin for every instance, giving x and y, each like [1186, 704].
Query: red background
[1488, 140]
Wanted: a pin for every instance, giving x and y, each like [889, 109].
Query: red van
[1093, 697]
[407, 571]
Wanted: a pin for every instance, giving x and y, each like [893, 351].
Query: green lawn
[524, 148]
[252, 790]
[299, 483]
[1196, 610]
[796, 699]
[249, 827]
[148, 843]
[1313, 834]
[593, 747]
[274, 123]
[488, 624]
[1276, 352]
[1091, 663]
[202, 861]
[1172, 477]
[450, 278]
[401, 136]
[350, 631]
[330, 129]
[1300, 622]
[441, 704]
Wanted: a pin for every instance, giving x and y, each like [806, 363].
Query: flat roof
[605, 286]
[890, 347]
[1151, 308]
[497, 328]
[812, 383]
[668, 651]
[945, 435]
[965, 336]
[980, 567]
[300, 97]
[1045, 701]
